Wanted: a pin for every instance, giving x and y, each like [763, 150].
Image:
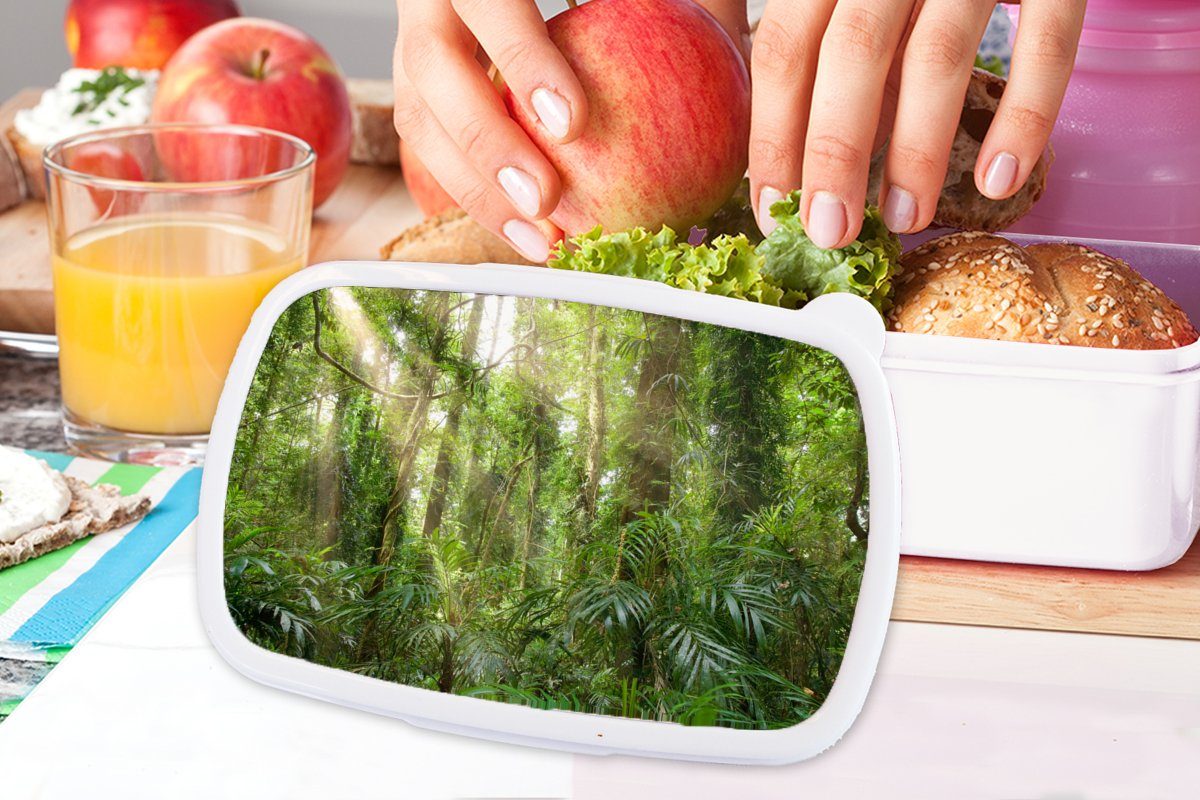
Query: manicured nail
[826, 220]
[521, 189]
[767, 197]
[527, 240]
[899, 210]
[1000, 176]
[553, 111]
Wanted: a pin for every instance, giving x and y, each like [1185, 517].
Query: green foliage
[786, 269]
[709, 580]
[864, 267]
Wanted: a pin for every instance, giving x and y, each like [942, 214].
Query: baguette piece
[960, 204]
[451, 238]
[373, 135]
[93, 509]
[982, 286]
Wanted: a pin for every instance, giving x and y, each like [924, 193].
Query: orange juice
[150, 310]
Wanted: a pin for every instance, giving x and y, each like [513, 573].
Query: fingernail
[521, 189]
[553, 111]
[527, 239]
[899, 210]
[1000, 176]
[767, 197]
[826, 220]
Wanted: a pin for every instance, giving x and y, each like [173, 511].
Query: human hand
[833, 78]
[449, 112]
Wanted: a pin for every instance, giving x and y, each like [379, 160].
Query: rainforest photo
[550, 503]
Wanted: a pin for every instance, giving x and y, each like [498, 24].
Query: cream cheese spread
[87, 100]
[31, 494]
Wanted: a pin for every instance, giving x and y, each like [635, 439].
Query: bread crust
[374, 139]
[12, 176]
[960, 205]
[29, 156]
[982, 286]
[451, 238]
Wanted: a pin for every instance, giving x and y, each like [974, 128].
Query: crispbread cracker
[93, 509]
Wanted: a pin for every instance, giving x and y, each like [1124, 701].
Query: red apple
[137, 33]
[668, 115]
[429, 195]
[108, 160]
[258, 72]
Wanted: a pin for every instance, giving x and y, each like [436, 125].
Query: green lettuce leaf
[786, 269]
[864, 267]
[632, 254]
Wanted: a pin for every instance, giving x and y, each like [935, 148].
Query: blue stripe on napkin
[68, 615]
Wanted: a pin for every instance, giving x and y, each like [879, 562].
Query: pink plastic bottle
[1127, 142]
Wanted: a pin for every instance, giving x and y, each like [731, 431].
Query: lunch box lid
[845, 326]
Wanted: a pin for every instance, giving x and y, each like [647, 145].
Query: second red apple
[267, 74]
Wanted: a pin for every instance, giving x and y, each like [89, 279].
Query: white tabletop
[144, 707]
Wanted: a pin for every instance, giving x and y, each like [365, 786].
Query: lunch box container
[1054, 455]
[445, 610]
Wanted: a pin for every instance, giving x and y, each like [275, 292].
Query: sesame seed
[1116, 340]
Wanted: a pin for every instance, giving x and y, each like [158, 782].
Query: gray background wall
[359, 34]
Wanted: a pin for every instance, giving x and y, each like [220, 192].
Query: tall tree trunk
[446, 673]
[539, 434]
[329, 478]
[597, 415]
[485, 541]
[648, 480]
[252, 454]
[312, 475]
[651, 453]
[444, 464]
[409, 450]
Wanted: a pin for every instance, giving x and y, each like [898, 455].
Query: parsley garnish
[112, 79]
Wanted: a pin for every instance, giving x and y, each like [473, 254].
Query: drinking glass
[164, 238]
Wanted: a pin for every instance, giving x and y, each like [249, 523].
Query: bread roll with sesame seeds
[982, 286]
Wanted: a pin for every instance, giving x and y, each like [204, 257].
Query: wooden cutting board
[368, 210]
[371, 207]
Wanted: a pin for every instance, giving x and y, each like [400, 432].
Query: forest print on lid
[549, 503]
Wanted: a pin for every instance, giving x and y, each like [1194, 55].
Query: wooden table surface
[371, 207]
[1164, 602]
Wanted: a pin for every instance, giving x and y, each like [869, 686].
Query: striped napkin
[48, 603]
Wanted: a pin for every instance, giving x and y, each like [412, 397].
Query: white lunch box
[1063, 456]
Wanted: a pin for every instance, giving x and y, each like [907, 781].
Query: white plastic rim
[845, 326]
